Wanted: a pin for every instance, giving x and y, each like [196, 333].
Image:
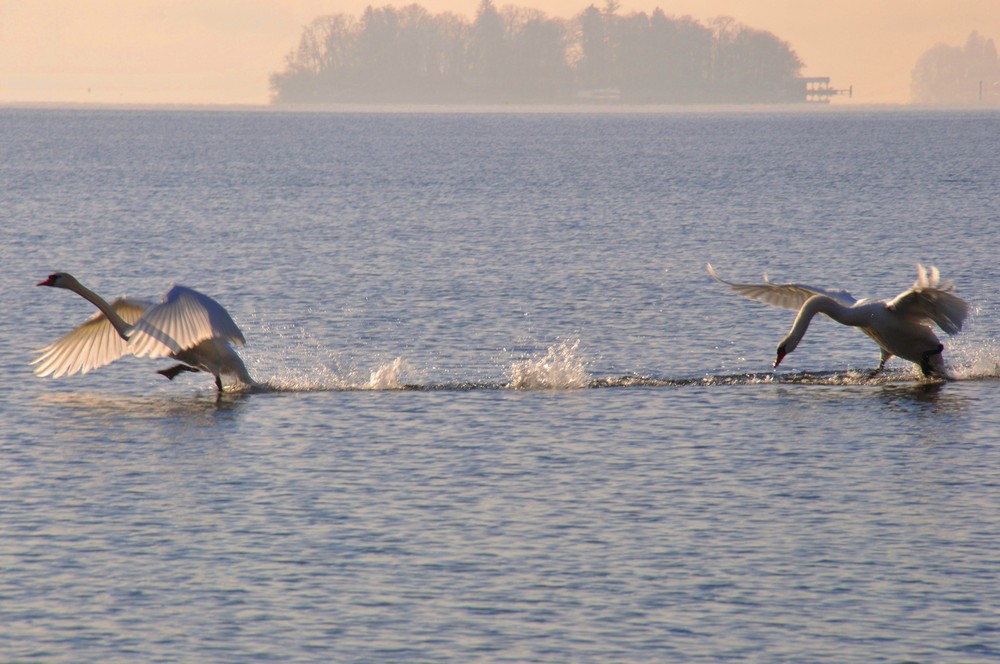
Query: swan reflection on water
[105, 410]
[931, 397]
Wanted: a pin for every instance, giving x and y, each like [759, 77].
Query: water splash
[559, 368]
[286, 358]
[321, 378]
[969, 358]
[387, 376]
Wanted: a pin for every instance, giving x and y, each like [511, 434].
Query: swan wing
[182, 320]
[91, 345]
[787, 296]
[931, 300]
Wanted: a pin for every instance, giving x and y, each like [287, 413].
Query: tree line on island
[517, 55]
[953, 75]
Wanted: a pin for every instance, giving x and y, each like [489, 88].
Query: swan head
[786, 346]
[59, 280]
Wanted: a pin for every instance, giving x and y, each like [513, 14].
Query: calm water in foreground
[507, 416]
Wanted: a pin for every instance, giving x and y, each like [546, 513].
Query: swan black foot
[885, 357]
[925, 360]
[173, 371]
[218, 382]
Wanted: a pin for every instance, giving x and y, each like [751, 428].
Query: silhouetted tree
[751, 65]
[488, 55]
[594, 65]
[634, 57]
[401, 53]
[764, 64]
[448, 68]
[693, 57]
[326, 50]
[537, 69]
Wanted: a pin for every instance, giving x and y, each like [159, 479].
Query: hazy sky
[222, 51]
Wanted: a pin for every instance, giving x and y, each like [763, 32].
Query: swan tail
[932, 300]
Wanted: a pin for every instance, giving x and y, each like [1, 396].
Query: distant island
[951, 75]
[516, 55]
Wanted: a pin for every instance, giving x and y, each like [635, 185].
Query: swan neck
[121, 327]
[819, 304]
[838, 311]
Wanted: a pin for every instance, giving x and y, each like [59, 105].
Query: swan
[187, 326]
[900, 326]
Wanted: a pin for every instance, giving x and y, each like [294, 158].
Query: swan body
[901, 326]
[187, 326]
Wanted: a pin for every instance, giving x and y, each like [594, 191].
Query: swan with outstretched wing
[901, 326]
[187, 326]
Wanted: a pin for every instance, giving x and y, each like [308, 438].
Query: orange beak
[779, 358]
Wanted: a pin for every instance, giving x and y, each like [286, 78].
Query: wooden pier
[817, 90]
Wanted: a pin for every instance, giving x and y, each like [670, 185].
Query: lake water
[508, 415]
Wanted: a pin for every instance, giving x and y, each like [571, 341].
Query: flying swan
[187, 326]
[900, 326]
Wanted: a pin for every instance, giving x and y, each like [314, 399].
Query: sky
[223, 51]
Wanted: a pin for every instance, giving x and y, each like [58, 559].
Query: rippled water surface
[504, 414]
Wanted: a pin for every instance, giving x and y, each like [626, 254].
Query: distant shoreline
[497, 109]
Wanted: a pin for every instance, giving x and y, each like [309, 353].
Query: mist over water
[504, 413]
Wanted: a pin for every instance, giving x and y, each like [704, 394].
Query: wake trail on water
[302, 365]
[560, 367]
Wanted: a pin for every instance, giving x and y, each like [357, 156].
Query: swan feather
[181, 321]
[786, 296]
[92, 345]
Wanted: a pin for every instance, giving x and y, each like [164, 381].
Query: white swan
[900, 326]
[187, 326]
